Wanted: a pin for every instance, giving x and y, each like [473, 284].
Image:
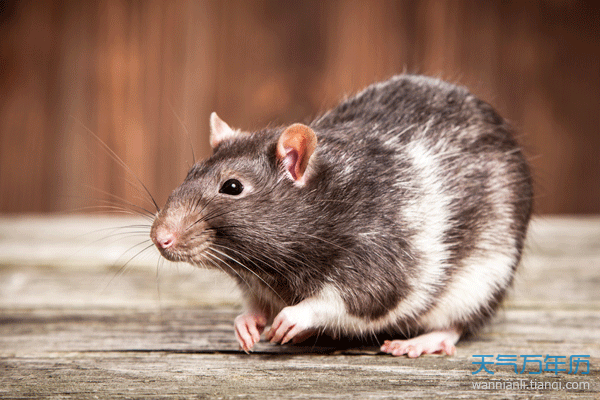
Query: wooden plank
[192, 353]
[188, 351]
[69, 332]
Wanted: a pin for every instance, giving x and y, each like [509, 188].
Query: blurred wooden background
[139, 73]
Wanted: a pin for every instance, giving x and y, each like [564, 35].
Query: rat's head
[236, 203]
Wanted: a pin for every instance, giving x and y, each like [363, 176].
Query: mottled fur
[412, 218]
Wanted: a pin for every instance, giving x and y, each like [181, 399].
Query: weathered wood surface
[139, 73]
[75, 324]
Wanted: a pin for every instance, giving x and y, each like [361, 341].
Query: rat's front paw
[248, 328]
[292, 322]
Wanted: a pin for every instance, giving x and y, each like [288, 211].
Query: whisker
[252, 289]
[248, 258]
[119, 236]
[121, 200]
[185, 130]
[123, 235]
[208, 217]
[118, 159]
[132, 226]
[112, 229]
[208, 262]
[117, 201]
[210, 254]
[249, 270]
[197, 203]
[140, 193]
[112, 209]
[113, 202]
[123, 268]
[328, 242]
[277, 265]
[158, 280]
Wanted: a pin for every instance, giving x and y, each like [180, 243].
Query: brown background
[138, 74]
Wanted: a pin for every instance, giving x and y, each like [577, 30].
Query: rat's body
[403, 210]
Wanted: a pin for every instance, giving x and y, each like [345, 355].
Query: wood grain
[79, 327]
[139, 74]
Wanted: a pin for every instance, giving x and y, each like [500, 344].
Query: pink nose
[164, 238]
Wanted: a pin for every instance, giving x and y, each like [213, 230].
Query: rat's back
[456, 185]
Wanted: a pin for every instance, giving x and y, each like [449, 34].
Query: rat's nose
[163, 238]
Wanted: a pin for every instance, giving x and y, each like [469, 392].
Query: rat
[403, 210]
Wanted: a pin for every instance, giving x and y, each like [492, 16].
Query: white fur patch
[325, 310]
[470, 288]
[432, 214]
[488, 269]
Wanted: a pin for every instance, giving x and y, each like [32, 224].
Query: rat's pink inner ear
[295, 148]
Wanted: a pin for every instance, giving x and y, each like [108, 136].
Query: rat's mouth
[194, 252]
[171, 255]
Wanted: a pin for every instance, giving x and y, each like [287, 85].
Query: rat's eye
[232, 187]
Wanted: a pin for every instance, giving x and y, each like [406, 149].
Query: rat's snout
[166, 233]
[164, 238]
[167, 240]
[178, 234]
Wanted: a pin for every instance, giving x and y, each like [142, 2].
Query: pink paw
[429, 343]
[304, 335]
[248, 328]
[290, 323]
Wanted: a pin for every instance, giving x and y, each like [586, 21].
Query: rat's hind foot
[429, 343]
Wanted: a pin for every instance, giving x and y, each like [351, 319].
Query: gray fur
[356, 222]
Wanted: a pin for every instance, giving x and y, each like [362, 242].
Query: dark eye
[232, 187]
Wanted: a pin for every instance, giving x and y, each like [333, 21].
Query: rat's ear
[219, 130]
[295, 149]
